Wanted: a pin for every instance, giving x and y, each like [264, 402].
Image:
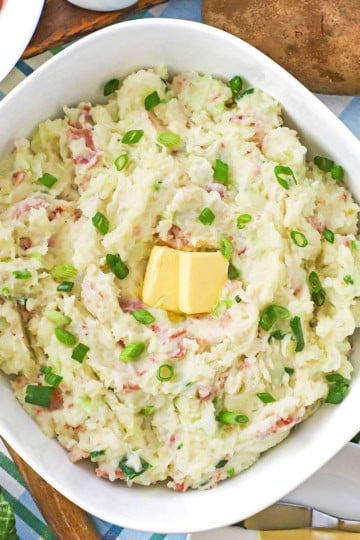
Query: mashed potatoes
[83, 203]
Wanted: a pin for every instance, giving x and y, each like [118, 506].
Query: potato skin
[317, 41]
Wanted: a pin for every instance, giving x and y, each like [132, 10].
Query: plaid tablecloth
[30, 524]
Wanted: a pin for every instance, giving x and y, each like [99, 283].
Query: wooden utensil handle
[65, 519]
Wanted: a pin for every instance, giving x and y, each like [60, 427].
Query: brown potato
[317, 41]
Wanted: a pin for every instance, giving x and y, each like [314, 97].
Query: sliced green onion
[271, 314]
[354, 245]
[157, 185]
[221, 171]
[206, 216]
[323, 163]
[220, 464]
[47, 180]
[97, 453]
[151, 101]
[80, 352]
[63, 271]
[39, 395]
[117, 266]
[238, 299]
[147, 411]
[121, 161]
[230, 471]
[57, 318]
[337, 172]
[129, 472]
[337, 392]
[165, 372]
[143, 316]
[314, 282]
[278, 334]
[289, 370]
[233, 272]
[329, 235]
[318, 297]
[348, 280]
[295, 325]
[236, 85]
[231, 417]
[111, 87]
[282, 171]
[169, 139]
[101, 223]
[335, 378]
[65, 337]
[22, 274]
[179, 446]
[226, 248]
[246, 93]
[265, 397]
[50, 378]
[221, 306]
[65, 286]
[132, 351]
[133, 136]
[242, 220]
[299, 239]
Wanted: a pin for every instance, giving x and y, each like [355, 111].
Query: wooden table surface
[62, 22]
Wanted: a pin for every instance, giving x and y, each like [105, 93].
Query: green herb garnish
[242, 220]
[117, 266]
[265, 397]
[165, 372]
[65, 337]
[132, 351]
[133, 136]
[169, 139]
[121, 161]
[206, 216]
[22, 274]
[271, 314]
[283, 175]
[63, 271]
[47, 180]
[232, 418]
[329, 235]
[111, 87]
[151, 101]
[39, 395]
[299, 239]
[295, 325]
[101, 223]
[143, 316]
[80, 352]
[221, 171]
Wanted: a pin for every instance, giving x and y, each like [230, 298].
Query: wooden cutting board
[318, 41]
[62, 22]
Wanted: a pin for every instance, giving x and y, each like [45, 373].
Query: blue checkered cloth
[29, 521]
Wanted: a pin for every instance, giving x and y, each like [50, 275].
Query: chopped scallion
[295, 325]
[63, 271]
[111, 87]
[314, 282]
[147, 411]
[232, 418]
[50, 377]
[80, 352]
[337, 172]
[39, 395]
[245, 93]
[22, 274]
[242, 220]
[169, 139]
[65, 337]
[348, 280]
[132, 351]
[329, 235]
[65, 286]
[220, 464]
[265, 397]
[151, 101]
[47, 180]
[238, 299]
[236, 85]
[233, 272]
[96, 454]
[206, 216]
[221, 171]
[130, 472]
[271, 314]
[143, 316]
[323, 163]
[283, 175]
[101, 223]
[289, 370]
[226, 248]
[337, 392]
[278, 334]
[165, 372]
[57, 318]
[117, 266]
[133, 136]
[121, 161]
[318, 297]
[335, 377]
[299, 239]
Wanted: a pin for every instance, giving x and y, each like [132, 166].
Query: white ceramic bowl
[18, 20]
[103, 5]
[78, 73]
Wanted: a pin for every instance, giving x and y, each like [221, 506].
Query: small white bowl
[78, 74]
[103, 5]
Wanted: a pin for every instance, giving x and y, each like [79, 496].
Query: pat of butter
[181, 281]
[161, 283]
[307, 534]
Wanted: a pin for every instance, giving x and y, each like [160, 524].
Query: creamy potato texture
[189, 400]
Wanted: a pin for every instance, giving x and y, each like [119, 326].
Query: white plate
[18, 20]
[334, 489]
[78, 74]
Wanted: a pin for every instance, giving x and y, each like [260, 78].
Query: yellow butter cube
[161, 282]
[202, 277]
[187, 282]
